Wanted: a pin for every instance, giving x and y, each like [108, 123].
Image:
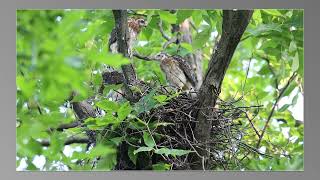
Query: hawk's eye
[141, 21]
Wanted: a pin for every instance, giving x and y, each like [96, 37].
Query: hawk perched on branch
[134, 27]
[177, 70]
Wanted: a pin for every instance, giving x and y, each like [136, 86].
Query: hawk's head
[161, 56]
[137, 24]
[141, 22]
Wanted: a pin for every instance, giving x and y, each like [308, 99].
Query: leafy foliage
[63, 50]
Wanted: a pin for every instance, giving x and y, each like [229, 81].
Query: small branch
[193, 26]
[173, 39]
[254, 149]
[242, 107]
[164, 35]
[252, 125]
[66, 126]
[266, 58]
[72, 140]
[273, 108]
[133, 12]
[170, 41]
[146, 58]
[247, 73]
[245, 38]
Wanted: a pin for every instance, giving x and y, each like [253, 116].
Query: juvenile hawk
[134, 27]
[178, 72]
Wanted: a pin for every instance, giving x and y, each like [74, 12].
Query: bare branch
[164, 35]
[273, 108]
[146, 58]
[71, 140]
[66, 126]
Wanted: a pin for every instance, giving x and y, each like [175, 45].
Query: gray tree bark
[233, 26]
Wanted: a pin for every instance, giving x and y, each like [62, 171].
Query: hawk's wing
[113, 38]
[186, 69]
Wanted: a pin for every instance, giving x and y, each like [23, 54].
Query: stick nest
[173, 127]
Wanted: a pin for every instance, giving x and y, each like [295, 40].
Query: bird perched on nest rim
[178, 72]
[134, 26]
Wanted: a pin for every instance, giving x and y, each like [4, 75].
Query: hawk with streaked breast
[134, 27]
[178, 72]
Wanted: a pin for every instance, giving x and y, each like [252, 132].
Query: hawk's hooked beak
[145, 24]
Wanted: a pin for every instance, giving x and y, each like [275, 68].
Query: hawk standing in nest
[134, 27]
[178, 72]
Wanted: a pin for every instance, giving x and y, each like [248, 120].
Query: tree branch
[273, 108]
[71, 140]
[146, 58]
[121, 22]
[164, 35]
[233, 26]
[66, 126]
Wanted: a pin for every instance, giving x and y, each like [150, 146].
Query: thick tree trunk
[233, 26]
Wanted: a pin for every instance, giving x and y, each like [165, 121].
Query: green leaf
[108, 105]
[197, 17]
[117, 140]
[207, 19]
[107, 162]
[146, 103]
[147, 32]
[187, 46]
[257, 16]
[31, 166]
[173, 152]
[161, 167]
[182, 15]
[295, 62]
[124, 111]
[292, 46]
[301, 63]
[27, 87]
[148, 140]
[272, 12]
[264, 28]
[161, 98]
[284, 107]
[132, 155]
[289, 89]
[168, 17]
[33, 147]
[295, 99]
[201, 38]
[142, 149]
[264, 70]
[99, 150]
[114, 60]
